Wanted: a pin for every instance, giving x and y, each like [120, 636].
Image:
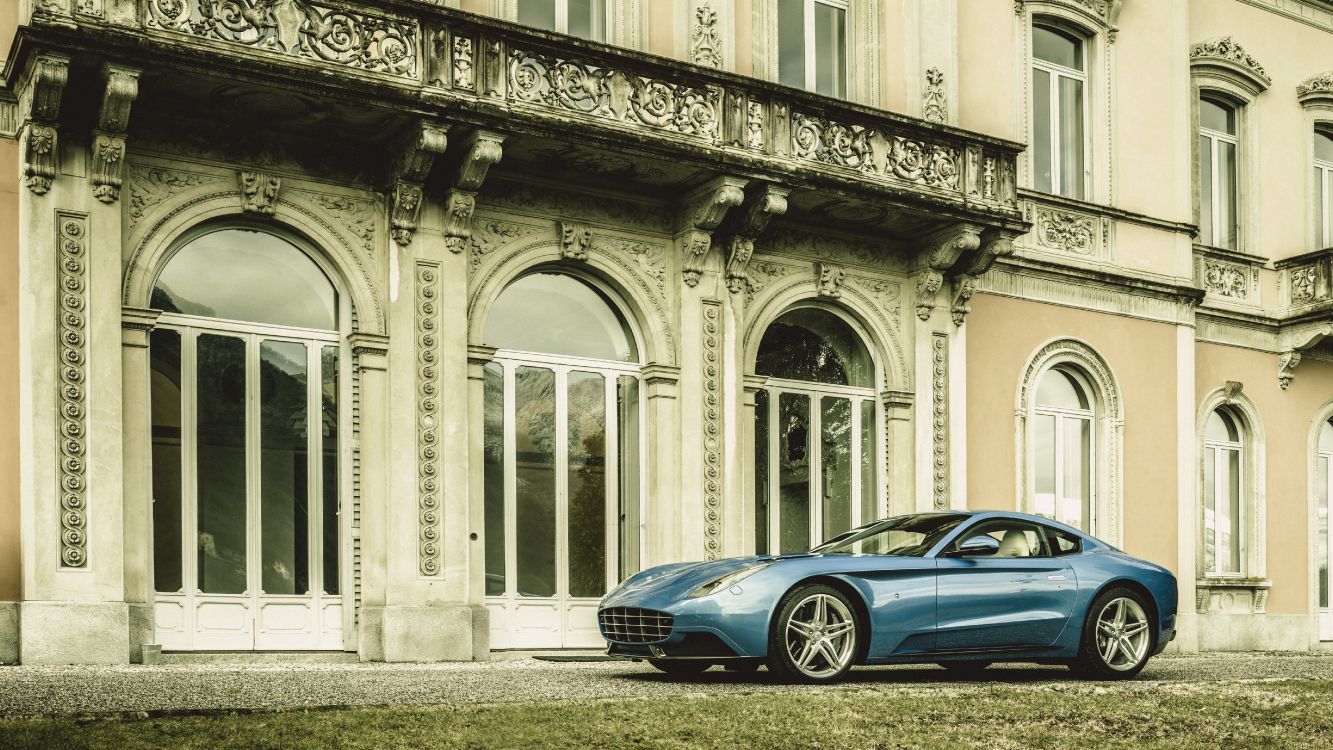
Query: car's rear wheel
[964, 668]
[815, 635]
[1117, 636]
[681, 667]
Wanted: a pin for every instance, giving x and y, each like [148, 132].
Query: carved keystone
[480, 150]
[759, 207]
[41, 97]
[701, 211]
[108, 147]
[415, 159]
[259, 192]
[828, 279]
[575, 238]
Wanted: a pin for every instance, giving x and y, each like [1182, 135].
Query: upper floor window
[1062, 434]
[1323, 180]
[581, 18]
[1059, 77]
[1219, 145]
[812, 45]
[1223, 446]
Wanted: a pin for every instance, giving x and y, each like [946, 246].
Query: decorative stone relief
[637, 101]
[801, 244]
[259, 192]
[574, 240]
[46, 85]
[355, 216]
[705, 41]
[298, 28]
[927, 285]
[1107, 11]
[415, 159]
[72, 422]
[939, 419]
[701, 212]
[1064, 231]
[108, 147]
[941, 249]
[648, 259]
[712, 424]
[763, 273]
[963, 288]
[759, 207]
[1228, 280]
[480, 150]
[828, 279]
[1303, 281]
[873, 153]
[935, 105]
[487, 235]
[1316, 89]
[463, 73]
[754, 126]
[428, 415]
[1224, 55]
[1286, 367]
[534, 200]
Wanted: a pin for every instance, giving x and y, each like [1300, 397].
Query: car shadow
[874, 675]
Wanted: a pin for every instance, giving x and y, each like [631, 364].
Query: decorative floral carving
[149, 186]
[846, 251]
[463, 63]
[712, 424]
[871, 152]
[259, 191]
[574, 240]
[935, 106]
[1059, 230]
[705, 41]
[1303, 284]
[761, 274]
[916, 161]
[1226, 48]
[964, 287]
[939, 419]
[490, 234]
[603, 93]
[355, 216]
[646, 258]
[46, 86]
[72, 324]
[828, 279]
[754, 126]
[1286, 367]
[39, 168]
[108, 148]
[1226, 279]
[988, 179]
[300, 28]
[428, 415]
[927, 285]
[1321, 84]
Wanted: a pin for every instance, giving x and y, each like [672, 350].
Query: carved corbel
[1295, 342]
[41, 106]
[940, 251]
[994, 244]
[259, 192]
[414, 162]
[758, 209]
[108, 149]
[481, 149]
[963, 288]
[828, 279]
[701, 211]
[1286, 367]
[574, 240]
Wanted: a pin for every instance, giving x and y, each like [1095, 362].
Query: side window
[1063, 543]
[1002, 539]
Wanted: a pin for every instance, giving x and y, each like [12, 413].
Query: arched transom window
[1063, 419]
[562, 463]
[815, 432]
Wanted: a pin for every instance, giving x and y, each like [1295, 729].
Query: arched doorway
[245, 400]
[816, 434]
[562, 460]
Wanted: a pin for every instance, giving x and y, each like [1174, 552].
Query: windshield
[910, 536]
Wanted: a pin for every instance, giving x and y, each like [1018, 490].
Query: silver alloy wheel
[1122, 634]
[821, 635]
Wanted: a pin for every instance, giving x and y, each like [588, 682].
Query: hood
[681, 578]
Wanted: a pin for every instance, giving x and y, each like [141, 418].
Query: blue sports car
[959, 589]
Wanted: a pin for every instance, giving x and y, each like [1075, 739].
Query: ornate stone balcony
[404, 59]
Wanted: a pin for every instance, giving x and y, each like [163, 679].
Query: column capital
[370, 349]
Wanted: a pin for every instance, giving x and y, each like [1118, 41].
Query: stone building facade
[408, 327]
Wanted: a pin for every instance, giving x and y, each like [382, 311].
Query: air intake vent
[631, 625]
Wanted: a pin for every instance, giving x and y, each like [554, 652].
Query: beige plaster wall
[986, 79]
[10, 577]
[475, 6]
[1287, 418]
[1290, 52]
[662, 28]
[1003, 333]
[893, 52]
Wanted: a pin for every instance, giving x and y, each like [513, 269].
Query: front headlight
[727, 581]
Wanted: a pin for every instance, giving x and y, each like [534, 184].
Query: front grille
[632, 625]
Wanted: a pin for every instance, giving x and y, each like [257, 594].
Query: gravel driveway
[189, 688]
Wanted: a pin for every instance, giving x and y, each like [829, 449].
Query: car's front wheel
[815, 635]
[1117, 636]
[681, 667]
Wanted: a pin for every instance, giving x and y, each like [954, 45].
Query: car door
[1018, 596]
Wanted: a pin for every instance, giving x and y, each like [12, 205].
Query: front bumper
[688, 645]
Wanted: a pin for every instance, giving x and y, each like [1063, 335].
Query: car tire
[815, 636]
[1118, 636]
[965, 668]
[681, 667]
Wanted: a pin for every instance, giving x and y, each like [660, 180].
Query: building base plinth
[1218, 631]
[74, 633]
[425, 634]
[142, 629]
[9, 632]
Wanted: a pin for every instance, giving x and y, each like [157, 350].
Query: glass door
[245, 487]
[562, 474]
[1323, 535]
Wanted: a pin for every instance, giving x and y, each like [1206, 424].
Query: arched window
[1323, 180]
[1059, 110]
[245, 372]
[1323, 489]
[562, 463]
[1062, 431]
[1223, 494]
[1219, 146]
[815, 432]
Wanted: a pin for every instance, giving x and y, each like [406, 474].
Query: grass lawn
[993, 716]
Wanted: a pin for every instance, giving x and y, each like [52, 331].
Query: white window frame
[1214, 138]
[1062, 417]
[812, 53]
[1056, 72]
[1323, 214]
[615, 15]
[1323, 614]
[1221, 450]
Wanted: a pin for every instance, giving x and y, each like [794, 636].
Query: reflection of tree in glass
[284, 467]
[587, 484]
[815, 346]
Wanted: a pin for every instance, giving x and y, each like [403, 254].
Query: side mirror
[981, 545]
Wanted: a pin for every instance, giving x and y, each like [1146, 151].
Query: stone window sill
[1231, 595]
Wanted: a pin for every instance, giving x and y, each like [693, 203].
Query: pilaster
[136, 327]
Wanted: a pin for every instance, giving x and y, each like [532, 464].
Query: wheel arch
[848, 589]
[1154, 611]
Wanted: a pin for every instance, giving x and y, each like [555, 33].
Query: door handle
[1055, 578]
